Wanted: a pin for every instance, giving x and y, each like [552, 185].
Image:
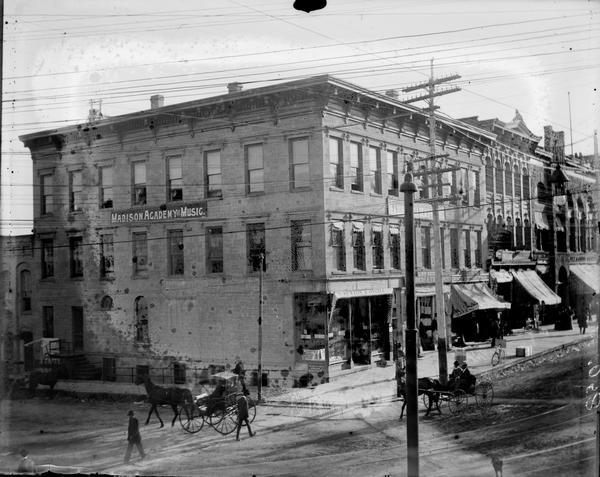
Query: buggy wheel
[224, 420]
[458, 401]
[191, 418]
[426, 400]
[484, 395]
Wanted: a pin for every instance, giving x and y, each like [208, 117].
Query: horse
[46, 377]
[427, 386]
[158, 395]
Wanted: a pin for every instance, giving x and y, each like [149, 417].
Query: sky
[536, 56]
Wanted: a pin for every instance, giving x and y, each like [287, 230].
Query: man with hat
[133, 437]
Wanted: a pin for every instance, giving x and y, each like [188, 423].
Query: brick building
[150, 227]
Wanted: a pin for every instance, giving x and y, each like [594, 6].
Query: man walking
[133, 437]
[242, 405]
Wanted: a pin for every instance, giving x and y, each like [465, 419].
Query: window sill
[336, 189]
[378, 270]
[339, 272]
[359, 272]
[375, 194]
[216, 197]
[360, 192]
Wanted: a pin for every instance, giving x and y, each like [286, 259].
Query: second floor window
[508, 180]
[377, 238]
[356, 166]
[139, 183]
[25, 290]
[375, 161]
[47, 322]
[46, 193]
[139, 243]
[499, 177]
[454, 262]
[256, 247]
[426, 246]
[175, 183]
[478, 251]
[107, 256]
[47, 250]
[489, 175]
[175, 250]
[358, 245]
[299, 164]
[255, 174]
[338, 244]
[526, 187]
[395, 250]
[75, 191]
[467, 249]
[392, 172]
[336, 162]
[76, 256]
[476, 189]
[214, 178]
[214, 250]
[301, 245]
[106, 187]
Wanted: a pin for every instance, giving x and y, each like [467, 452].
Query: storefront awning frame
[588, 274]
[535, 287]
[468, 297]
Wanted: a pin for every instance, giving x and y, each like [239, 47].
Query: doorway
[77, 327]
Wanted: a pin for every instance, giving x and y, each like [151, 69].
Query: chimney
[157, 101]
[234, 87]
[392, 93]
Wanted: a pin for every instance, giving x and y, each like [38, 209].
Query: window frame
[214, 255]
[454, 251]
[339, 246]
[356, 170]
[249, 182]
[174, 193]
[395, 249]
[47, 321]
[76, 256]
[103, 188]
[107, 256]
[426, 247]
[467, 249]
[377, 248]
[139, 270]
[338, 172]
[46, 199]
[375, 170]
[393, 173]
[209, 191]
[75, 196]
[294, 182]
[358, 249]
[47, 251]
[139, 190]
[297, 235]
[254, 249]
[175, 253]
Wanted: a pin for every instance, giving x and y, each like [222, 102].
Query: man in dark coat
[242, 405]
[133, 437]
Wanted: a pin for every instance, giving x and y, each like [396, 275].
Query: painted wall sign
[159, 214]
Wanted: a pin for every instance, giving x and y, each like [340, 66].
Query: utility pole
[260, 313]
[437, 245]
[596, 167]
[408, 187]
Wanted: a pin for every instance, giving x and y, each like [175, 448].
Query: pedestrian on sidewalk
[582, 321]
[497, 464]
[133, 437]
[242, 408]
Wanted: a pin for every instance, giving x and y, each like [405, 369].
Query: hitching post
[408, 187]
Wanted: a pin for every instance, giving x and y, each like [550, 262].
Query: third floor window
[375, 163]
[106, 187]
[139, 183]
[213, 178]
[46, 184]
[76, 256]
[175, 179]
[299, 164]
[255, 173]
[336, 162]
[75, 191]
[356, 166]
[392, 172]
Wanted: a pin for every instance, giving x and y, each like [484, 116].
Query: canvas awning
[536, 287]
[589, 275]
[468, 297]
[501, 276]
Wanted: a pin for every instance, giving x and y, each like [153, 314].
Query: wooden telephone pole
[435, 169]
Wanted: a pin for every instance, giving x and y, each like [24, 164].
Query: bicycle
[499, 355]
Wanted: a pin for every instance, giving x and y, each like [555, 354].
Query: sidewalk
[378, 384]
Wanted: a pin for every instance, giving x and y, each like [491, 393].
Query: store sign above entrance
[359, 293]
[159, 214]
[422, 210]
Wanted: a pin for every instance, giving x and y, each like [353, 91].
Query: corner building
[150, 228]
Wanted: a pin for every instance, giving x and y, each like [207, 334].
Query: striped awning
[535, 287]
[468, 297]
[588, 275]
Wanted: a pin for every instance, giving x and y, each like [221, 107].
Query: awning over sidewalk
[501, 276]
[536, 287]
[468, 297]
[588, 275]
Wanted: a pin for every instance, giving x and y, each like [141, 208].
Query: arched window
[527, 230]
[519, 233]
[499, 176]
[106, 303]
[141, 320]
[517, 179]
[489, 175]
[25, 290]
[572, 234]
[525, 183]
[508, 189]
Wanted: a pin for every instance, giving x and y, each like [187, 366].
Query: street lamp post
[408, 187]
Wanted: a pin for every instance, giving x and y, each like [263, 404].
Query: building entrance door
[77, 327]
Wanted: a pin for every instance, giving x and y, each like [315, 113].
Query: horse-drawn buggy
[456, 393]
[216, 404]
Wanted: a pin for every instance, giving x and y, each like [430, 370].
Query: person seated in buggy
[461, 378]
